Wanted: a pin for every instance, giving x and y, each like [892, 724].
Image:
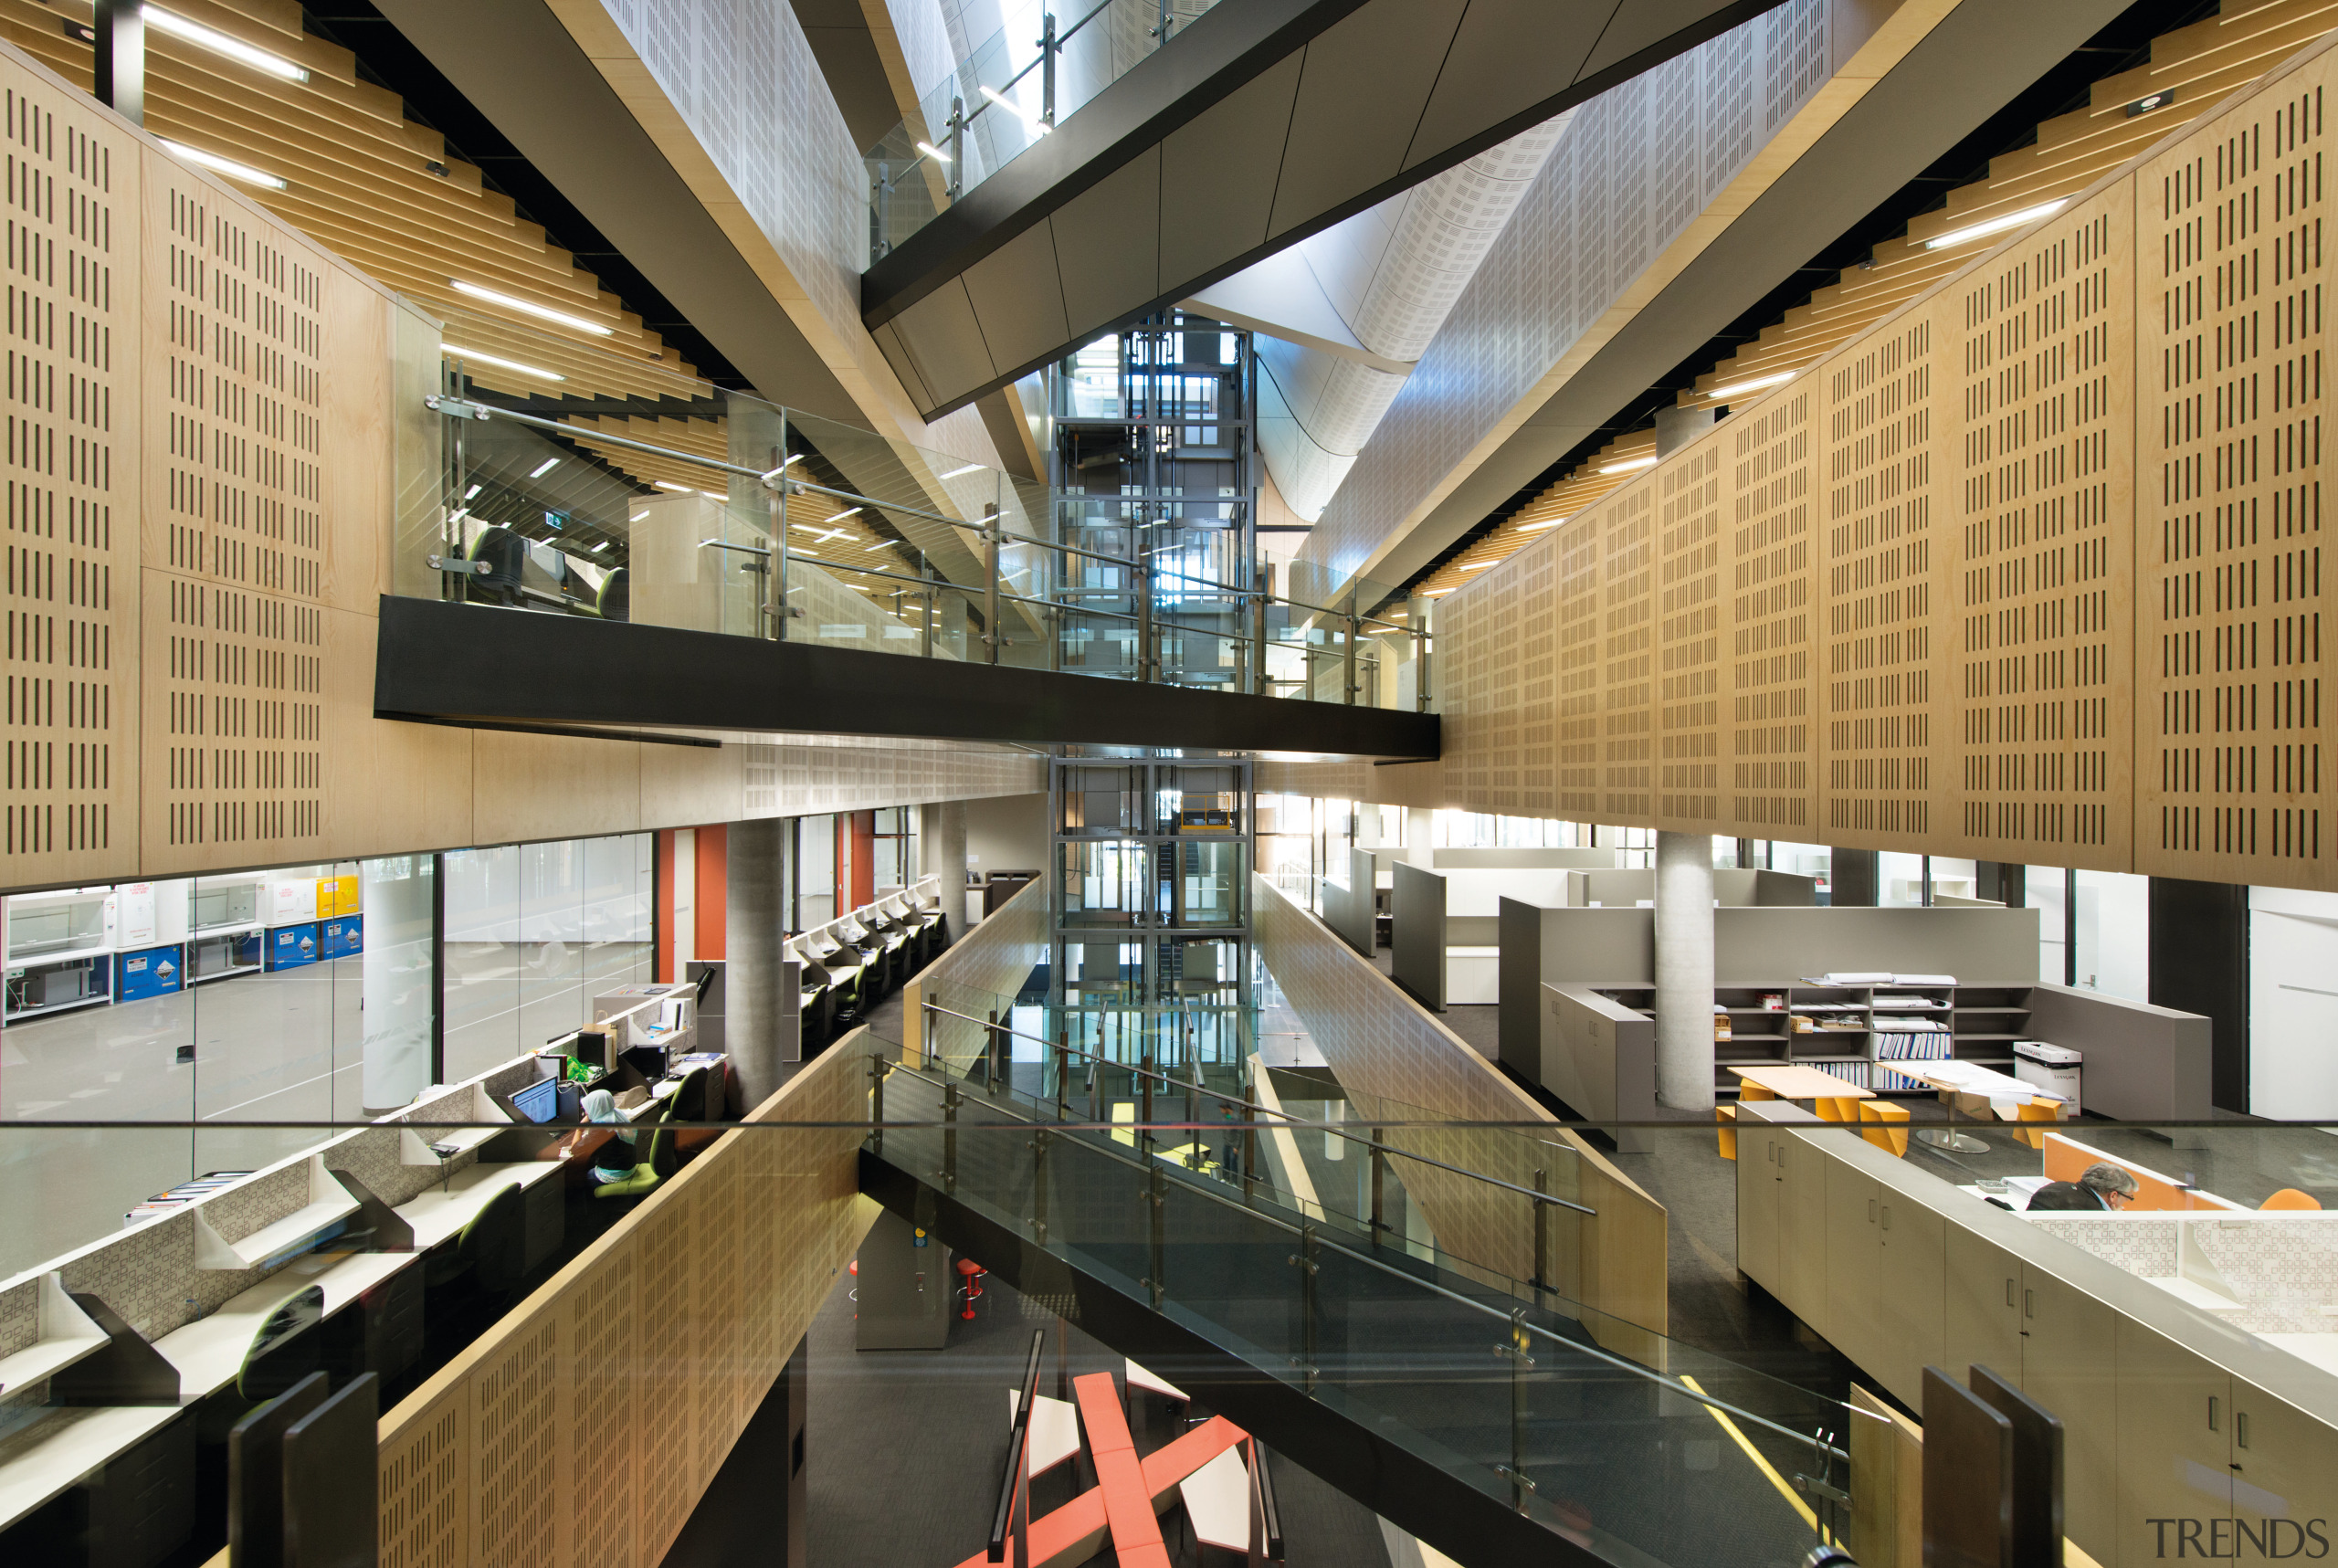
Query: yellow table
[1799, 1083]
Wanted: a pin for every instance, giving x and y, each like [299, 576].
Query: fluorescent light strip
[541, 469]
[470, 355]
[1753, 384]
[529, 308]
[219, 43]
[598, 548]
[2021, 219]
[845, 514]
[1476, 565]
[931, 151]
[226, 166]
[1539, 527]
[677, 489]
[472, 493]
[1629, 465]
[959, 473]
[1037, 125]
[641, 517]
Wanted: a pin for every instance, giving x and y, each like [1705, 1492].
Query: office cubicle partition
[1349, 909]
[1416, 935]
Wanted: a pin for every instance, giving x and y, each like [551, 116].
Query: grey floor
[941, 1416]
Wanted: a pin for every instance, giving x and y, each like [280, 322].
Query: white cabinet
[1757, 1204]
[2175, 1447]
[2069, 1364]
[1853, 1256]
[1910, 1320]
[1802, 1230]
[1981, 1300]
[2284, 1478]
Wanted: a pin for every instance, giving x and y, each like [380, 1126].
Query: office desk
[1802, 1083]
[444, 1210]
[210, 1350]
[60, 1446]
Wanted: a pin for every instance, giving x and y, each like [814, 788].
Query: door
[2175, 1422]
[1912, 1318]
[2285, 1478]
[1981, 1308]
[1757, 1204]
[2069, 1364]
[1852, 1253]
[1802, 1229]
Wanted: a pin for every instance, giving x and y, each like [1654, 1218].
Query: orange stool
[1886, 1126]
[2037, 1110]
[2290, 1198]
[1727, 1116]
[1837, 1107]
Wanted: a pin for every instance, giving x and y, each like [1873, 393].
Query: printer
[2054, 1069]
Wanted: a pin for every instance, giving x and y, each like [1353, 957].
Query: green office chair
[504, 554]
[491, 1248]
[614, 602]
[656, 1162]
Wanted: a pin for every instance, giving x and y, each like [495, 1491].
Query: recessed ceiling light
[529, 308]
[226, 166]
[1627, 465]
[1753, 384]
[178, 26]
[2021, 219]
[451, 351]
[472, 493]
[541, 469]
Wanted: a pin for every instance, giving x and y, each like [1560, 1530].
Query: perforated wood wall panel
[2228, 660]
[234, 529]
[2029, 572]
[71, 479]
[425, 1483]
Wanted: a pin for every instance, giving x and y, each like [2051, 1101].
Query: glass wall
[534, 931]
[2100, 944]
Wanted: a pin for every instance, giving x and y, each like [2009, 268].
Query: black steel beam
[475, 663]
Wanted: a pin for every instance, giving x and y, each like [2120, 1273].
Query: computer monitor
[539, 1101]
[592, 1047]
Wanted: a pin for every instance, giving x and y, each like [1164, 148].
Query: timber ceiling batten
[357, 178]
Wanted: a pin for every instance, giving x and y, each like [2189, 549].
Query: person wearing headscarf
[616, 1157]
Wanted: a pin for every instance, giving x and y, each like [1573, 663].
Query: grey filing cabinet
[1900, 1270]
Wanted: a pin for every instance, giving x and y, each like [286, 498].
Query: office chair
[614, 602]
[689, 1101]
[2290, 1198]
[504, 554]
[492, 1250]
[656, 1162]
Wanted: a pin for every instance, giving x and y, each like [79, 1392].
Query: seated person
[2104, 1186]
[616, 1157]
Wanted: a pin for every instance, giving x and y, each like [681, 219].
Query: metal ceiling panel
[1360, 98]
[1646, 31]
[1019, 299]
[1108, 247]
[1217, 174]
[889, 343]
[945, 340]
[1503, 62]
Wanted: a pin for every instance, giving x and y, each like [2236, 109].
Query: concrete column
[1853, 878]
[757, 1030]
[942, 852]
[1684, 971]
[1420, 829]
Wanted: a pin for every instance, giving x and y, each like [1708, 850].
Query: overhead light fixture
[1629, 465]
[472, 493]
[598, 548]
[1476, 565]
[716, 495]
[2021, 219]
[1755, 383]
[677, 489]
[931, 151]
[639, 517]
[541, 469]
[1039, 126]
[1437, 593]
[529, 308]
[1539, 527]
[467, 355]
[806, 527]
[2150, 102]
[845, 514]
[459, 513]
[774, 473]
[960, 473]
[219, 43]
[226, 166]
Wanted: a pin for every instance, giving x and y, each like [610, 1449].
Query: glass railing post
[1420, 672]
[1522, 1364]
[877, 1103]
[949, 1137]
[1040, 1142]
[1250, 1163]
[1145, 1093]
[929, 1036]
[1304, 1261]
[1379, 1176]
[957, 147]
[993, 634]
[1157, 1204]
[1143, 582]
[1347, 654]
[1047, 70]
[994, 1047]
[1542, 1280]
[782, 610]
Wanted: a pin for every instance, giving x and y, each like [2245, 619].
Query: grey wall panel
[1600, 947]
[1416, 935]
[1018, 297]
[1784, 890]
[1108, 245]
[1517, 987]
[1360, 100]
[889, 343]
[1980, 947]
[1217, 191]
[1348, 911]
[2143, 1063]
[945, 337]
[1501, 62]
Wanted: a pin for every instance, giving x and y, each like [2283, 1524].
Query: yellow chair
[1727, 1116]
[1748, 1090]
[1886, 1125]
[2290, 1198]
[2037, 1110]
[1837, 1107]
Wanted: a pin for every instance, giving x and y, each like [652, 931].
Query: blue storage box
[154, 972]
[290, 947]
